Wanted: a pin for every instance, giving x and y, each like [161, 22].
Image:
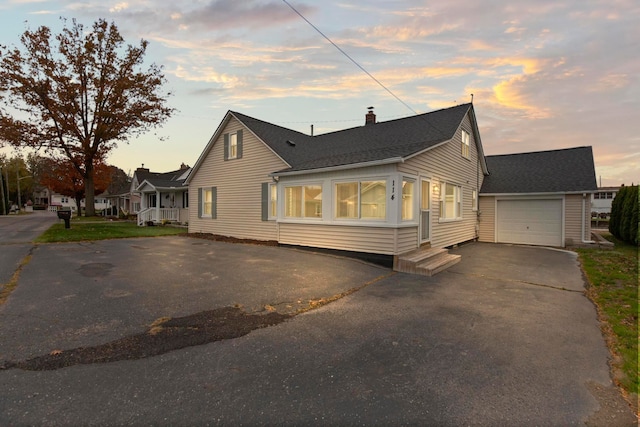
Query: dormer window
[465, 144]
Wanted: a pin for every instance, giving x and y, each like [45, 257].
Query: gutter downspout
[477, 194]
[584, 220]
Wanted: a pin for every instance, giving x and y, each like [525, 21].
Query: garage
[530, 221]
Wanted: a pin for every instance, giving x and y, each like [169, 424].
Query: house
[160, 196]
[540, 198]
[119, 200]
[391, 188]
[602, 199]
[59, 201]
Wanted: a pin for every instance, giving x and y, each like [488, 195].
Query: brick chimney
[183, 166]
[370, 118]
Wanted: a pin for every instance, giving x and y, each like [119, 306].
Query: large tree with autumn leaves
[61, 177]
[78, 94]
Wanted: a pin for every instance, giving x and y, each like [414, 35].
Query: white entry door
[425, 211]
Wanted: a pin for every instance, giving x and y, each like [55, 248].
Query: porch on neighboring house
[162, 205]
[160, 197]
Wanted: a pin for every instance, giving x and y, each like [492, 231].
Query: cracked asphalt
[505, 337]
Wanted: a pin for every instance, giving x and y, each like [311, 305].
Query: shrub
[624, 215]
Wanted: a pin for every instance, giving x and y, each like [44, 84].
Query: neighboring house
[602, 199]
[541, 198]
[41, 197]
[160, 196]
[384, 188]
[120, 201]
[59, 201]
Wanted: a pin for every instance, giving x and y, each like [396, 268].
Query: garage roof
[569, 170]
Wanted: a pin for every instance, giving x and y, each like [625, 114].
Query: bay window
[407, 200]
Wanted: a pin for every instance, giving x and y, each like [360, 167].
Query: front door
[425, 211]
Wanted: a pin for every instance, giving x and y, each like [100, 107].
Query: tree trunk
[89, 191]
[78, 198]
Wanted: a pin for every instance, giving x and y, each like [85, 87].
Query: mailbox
[66, 216]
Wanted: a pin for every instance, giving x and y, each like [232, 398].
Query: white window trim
[270, 216]
[233, 146]
[459, 202]
[204, 201]
[303, 217]
[415, 201]
[474, 200]
[466, 144]
[359, 219]
[393, 219]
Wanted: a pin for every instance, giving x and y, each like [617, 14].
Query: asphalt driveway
[16, 234]
[506, 337]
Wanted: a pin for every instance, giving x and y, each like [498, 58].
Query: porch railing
[157, 215]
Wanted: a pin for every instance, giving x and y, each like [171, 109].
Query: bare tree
[78, 94]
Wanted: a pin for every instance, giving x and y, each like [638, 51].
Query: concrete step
[425, 261]
[438, 264]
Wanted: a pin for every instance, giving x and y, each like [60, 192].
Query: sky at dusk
[544, 74]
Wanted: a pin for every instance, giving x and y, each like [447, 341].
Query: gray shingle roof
[392, 139]
[162, 179]
[556, 171]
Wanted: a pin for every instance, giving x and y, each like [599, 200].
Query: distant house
[58, 201]
[387, 188]
[119, 200]
[602, 199]
[160, 196]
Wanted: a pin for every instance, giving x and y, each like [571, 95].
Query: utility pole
[19, 200]
[6, 174]
[18, 178]
[4, 203]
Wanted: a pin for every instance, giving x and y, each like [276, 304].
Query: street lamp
[18, 178]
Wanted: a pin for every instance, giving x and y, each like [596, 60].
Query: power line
[350, 58]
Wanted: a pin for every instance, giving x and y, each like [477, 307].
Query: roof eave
[538, 193]
[340, 167]
[215, 137]
[208, 147]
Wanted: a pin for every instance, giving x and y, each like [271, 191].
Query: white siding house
[386, 188]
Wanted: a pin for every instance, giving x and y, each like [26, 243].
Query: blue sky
[544, 74]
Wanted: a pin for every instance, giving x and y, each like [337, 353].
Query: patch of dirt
[229, 239]
[166, 334]
[614, 411]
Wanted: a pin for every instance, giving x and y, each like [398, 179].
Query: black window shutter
[199, 202]
[239, 140]
[226, 146]
[214, 202]
[265, 201]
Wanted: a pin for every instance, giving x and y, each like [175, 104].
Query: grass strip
[9, 287]
[102, 230]
[613, 279]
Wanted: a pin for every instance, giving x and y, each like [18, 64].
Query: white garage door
[530, 222]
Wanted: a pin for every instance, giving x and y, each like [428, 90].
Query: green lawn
[613, 275]
[99, 229]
